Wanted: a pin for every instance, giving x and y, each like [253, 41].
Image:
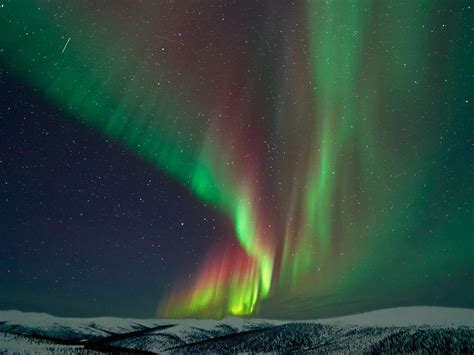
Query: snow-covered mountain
[405, 329]
[408, 316]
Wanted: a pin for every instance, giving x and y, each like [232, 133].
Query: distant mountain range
[396, 330]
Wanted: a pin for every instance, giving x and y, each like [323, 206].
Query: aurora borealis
[332, 139]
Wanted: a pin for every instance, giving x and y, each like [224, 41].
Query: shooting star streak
[66, 44]
[170, 40]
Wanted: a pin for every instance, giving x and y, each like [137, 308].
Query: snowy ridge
[403, 329]
[408, 316]
[70, 328]
[108, 323]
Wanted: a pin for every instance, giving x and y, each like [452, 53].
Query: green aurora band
[367, 194]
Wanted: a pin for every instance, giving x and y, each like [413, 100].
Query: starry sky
[281, 159]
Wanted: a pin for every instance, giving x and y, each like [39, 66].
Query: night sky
[255, 158]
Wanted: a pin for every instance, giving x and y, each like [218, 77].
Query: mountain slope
[405, 329]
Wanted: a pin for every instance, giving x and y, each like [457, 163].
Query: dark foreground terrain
[398, 330]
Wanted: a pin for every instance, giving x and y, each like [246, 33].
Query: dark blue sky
[87, 227]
